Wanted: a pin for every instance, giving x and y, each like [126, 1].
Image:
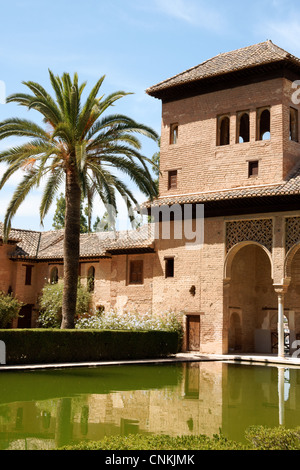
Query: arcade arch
[250, 297]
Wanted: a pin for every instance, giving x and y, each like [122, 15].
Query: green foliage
[96, 223]
[54, 346]
[106, 224]
[134, 321]
[259, 438]
[60, 211]
[280, 438]
[51, 301]
[9, 309]
[155, 165]
[159, 442]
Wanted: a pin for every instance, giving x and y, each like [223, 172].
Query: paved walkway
[181, 357]
[267, 359]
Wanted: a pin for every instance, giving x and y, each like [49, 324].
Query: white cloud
[196, 13]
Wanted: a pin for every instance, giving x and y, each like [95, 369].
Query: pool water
[48, 409]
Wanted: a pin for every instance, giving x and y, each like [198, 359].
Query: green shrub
[159, 442]
[50, 304]
[9, 309]
[40, 346]
[280, 438]
[259, 438]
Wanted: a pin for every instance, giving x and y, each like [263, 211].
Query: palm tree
[79, 147]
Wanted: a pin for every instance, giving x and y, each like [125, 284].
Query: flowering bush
[50, 304]
[134, 321]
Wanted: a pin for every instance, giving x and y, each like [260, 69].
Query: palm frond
[54, 181]
[23, 189]
[21, 128]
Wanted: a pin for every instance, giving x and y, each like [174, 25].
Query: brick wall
[7, 268]
[291, 149]
[126, 296]
[204, 166]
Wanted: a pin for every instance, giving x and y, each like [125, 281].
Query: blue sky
[135, 43]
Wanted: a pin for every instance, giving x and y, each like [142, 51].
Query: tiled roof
[50, 245]
[27, 241]
[287, 188]
[241, 59]
[129, 239]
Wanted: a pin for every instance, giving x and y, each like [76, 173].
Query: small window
[54, 276]
[243, 128]
[136, 272]
[91, 279]
[173, 133]
[223, 130]
[294, 124]
[172, 179]
[28, 275]
[169, 267]
[263, 124]
[253, 169]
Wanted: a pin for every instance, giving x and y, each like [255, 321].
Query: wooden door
[193, 332]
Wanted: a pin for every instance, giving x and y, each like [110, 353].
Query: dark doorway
[193, 332]
[24, 320]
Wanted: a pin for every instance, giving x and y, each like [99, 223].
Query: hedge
[259, 438]
[41, 346]
[158, 442]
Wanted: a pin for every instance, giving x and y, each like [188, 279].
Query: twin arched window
[263, 120]
[90, 277]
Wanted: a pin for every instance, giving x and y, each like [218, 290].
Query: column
[280, 325]
[280, 291]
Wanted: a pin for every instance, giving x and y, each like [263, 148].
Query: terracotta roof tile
[50, 245]
[228, 62]
[27, 241]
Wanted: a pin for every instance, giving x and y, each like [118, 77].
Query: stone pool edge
[181, 357]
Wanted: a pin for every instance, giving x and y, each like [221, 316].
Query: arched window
[294, 124]
[223, 130]
[91, 279]
[174, 133]
[243, 128]
[54, 276]
[263, 124]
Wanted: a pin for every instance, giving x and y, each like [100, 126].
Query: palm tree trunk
[71, 249]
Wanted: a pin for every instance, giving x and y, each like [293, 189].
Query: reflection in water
[63, 425]
[45, 409]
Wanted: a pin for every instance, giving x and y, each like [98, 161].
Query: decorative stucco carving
[292, 232]
[258, 230]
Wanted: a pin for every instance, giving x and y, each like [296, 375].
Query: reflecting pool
[47, 409]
